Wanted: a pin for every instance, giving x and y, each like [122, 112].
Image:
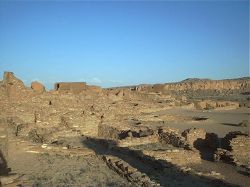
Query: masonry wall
[70, 86]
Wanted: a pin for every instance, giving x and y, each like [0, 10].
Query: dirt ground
[216, 121]
[32, 165]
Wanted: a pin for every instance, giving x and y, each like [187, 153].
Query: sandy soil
[218, 121]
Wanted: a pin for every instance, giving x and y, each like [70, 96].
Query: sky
[116, 43]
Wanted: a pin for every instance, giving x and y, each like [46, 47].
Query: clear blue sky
[121, 43]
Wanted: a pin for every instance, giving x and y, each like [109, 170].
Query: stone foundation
[129, 172]
[172, 137]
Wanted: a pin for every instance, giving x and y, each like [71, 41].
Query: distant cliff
[232, 89]
[241, 85]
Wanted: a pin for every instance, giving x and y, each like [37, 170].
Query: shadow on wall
[206, 152]
[161, 171]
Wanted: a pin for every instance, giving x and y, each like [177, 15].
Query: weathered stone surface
[37, 86]
[208, 104]
[226, 141]
[201, 105]
[241, 150]
[202, 84]
[10, 79]
[75, 87]
[236, 149]
[133, 125]
[172, 137]
[129, 172]
[224, 155]
[14, 87]
[194, 137]
[127, 133]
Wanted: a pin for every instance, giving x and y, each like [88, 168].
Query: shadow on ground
[4, 170]
[161, 171]
[231, 124]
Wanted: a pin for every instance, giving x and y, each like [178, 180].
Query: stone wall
[14, 87]
[75, 87]
[208, 104]
[195, 137]
[130, 173]
[172, 137]
[229, 139]
[124, 132]
[235, 150]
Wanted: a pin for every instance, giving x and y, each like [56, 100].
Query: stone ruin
[129, 172]
[58, 115]
[208, 104]
[38, 87]
[234, 144]
[15, 89]
[235, 149]
[75, 87]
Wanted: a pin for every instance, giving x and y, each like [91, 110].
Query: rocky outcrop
[242, 84]
[38, 87]
[199, 84]
[198, 88]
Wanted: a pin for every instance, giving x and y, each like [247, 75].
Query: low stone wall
[173, 138]
[225, 156]
[129, 172]
[108, 132]
[208, 104]
[195, 137]
[124, 132]
[226, 141]
[236, 149]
